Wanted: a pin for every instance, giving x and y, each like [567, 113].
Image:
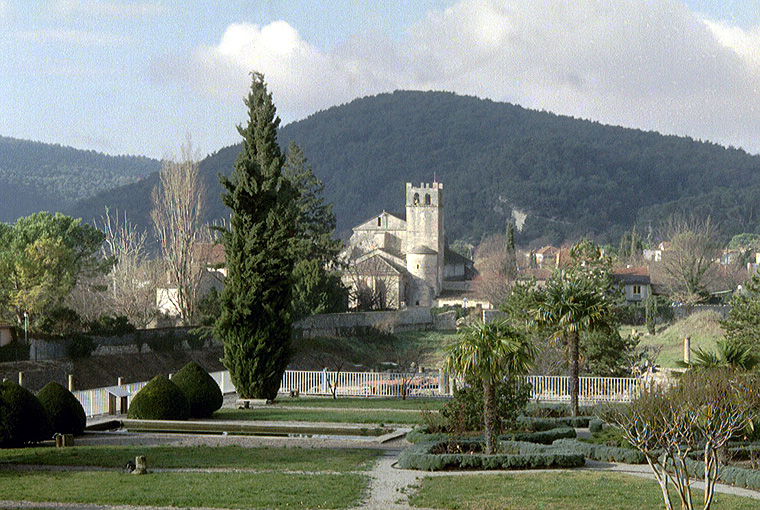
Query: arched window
[380, 221]
[416, 199]
[427, 198]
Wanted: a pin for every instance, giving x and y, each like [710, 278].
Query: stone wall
[346, 324]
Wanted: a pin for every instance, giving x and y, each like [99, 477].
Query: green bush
[63, 409]
[537, 424]
[22, 418]
[202, 392]
[107, 325]
[160, 399]
[602, 452]
[422, 456]
[163, 341]
[595, 425]
[464, 413]
[545, 437]
[79, 346]
[555, 410]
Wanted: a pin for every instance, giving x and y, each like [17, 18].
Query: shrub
[464, 413]
[595, 425]
[63, 409]
[421, 456]
[202, 392]
[538, 424]
[546, 437]
[163, 341]
[22, 417]
[79, 346]
[160, 399]
[602, 452]
[555, 410]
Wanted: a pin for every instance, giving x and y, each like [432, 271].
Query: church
[396, 263]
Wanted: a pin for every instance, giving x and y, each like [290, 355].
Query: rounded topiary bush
[201, 390]
[66, 414]
[160, 399]
[22, 417]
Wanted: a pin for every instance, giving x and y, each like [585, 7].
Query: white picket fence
[384, 384]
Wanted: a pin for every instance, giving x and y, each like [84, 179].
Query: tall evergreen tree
[510, 256]
[255, 323]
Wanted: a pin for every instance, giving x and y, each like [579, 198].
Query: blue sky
[133, 77]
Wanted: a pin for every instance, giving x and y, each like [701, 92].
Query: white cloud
[108, 9]
[652, 65]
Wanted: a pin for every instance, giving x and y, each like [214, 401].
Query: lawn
[182, 489]
[702, 328]
[348, 415]
[230, 457]
[563, 490]
[284, 477]
[410, 404]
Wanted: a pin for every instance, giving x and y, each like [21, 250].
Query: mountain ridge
[572, 177]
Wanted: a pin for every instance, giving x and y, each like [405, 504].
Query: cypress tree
[255, 322]
[510, 256]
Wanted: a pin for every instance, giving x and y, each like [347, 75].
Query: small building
[634, 281]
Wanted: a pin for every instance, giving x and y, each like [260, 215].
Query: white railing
[385, 384]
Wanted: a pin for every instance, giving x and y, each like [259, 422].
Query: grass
[231, 457]
[434, 342]
[347, 415]
[216, 490]
[558, 490]
[410, 404]
[702, 328]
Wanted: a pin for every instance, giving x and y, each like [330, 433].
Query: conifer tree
[255, 323]
[510, 256]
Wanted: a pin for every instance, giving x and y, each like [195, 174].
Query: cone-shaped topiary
[160, 399]
[22, 417]
[201, 390]
[66, 414]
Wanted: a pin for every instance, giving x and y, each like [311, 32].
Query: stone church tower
[424, 243]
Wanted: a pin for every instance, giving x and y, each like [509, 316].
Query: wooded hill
[39, 176]
[571, 177]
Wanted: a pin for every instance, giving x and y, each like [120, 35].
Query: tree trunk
[489, 417]
[574, 382]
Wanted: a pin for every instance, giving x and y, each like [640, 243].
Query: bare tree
[134, 276]
[178, 202]
[495, 271]
[702, 412]
[691, 251]
[373, 283]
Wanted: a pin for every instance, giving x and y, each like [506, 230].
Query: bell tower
[424, 232]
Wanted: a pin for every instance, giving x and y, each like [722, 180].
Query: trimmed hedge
[202, 392]
[160, 399]
[595, 425]
[749, 478]
[602, 452]
[419, 456]
[546, 437]
[22, 417]
[63, 409]
[552, 423]
[539, 410]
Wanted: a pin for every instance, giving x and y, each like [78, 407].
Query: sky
[137, 76]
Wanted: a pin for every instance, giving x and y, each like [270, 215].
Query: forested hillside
[38, 176]
[571, 177]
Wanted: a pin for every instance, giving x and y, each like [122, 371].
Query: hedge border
[539, 424]
[545, 437]
[531, 456]
[602, 452]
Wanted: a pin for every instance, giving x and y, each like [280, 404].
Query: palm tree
[731, 354]
[489, 352]
[573, 301]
